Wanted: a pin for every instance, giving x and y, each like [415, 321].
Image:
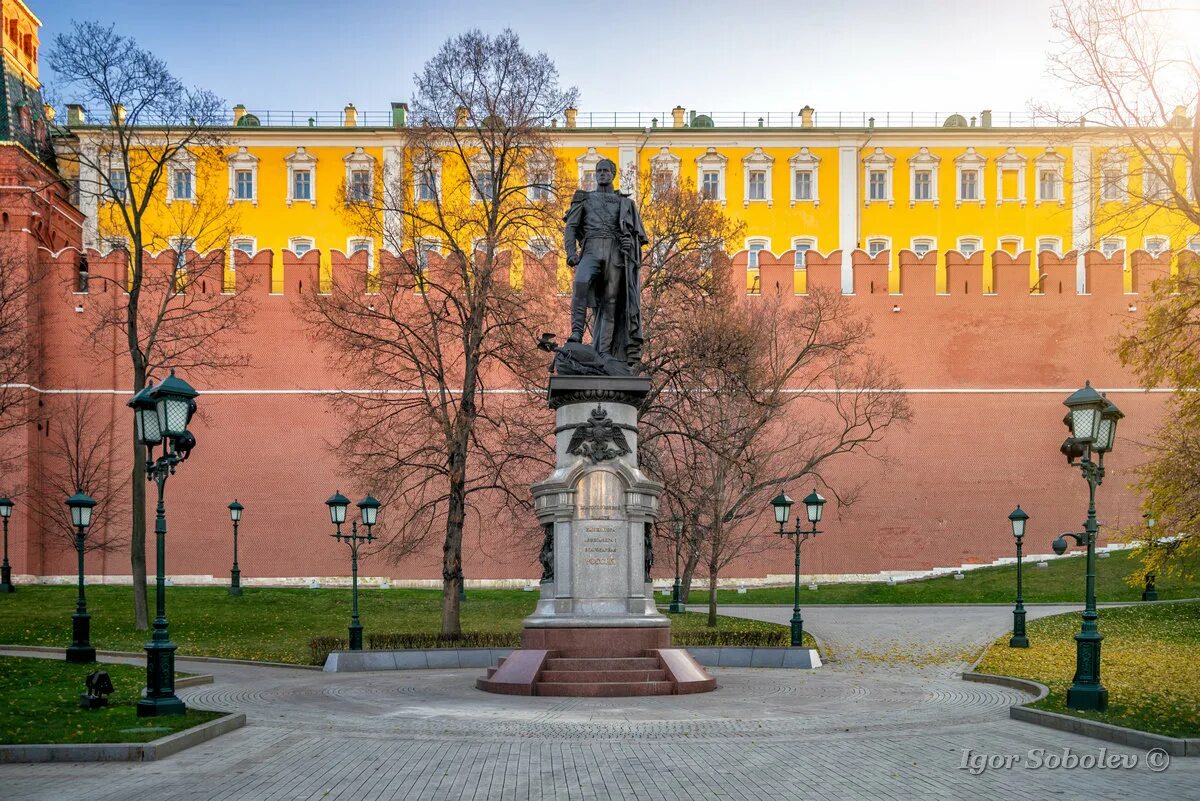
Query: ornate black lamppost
[1093, 422]
[6, 585]
[1017, 519]
[81, 649]
[783, 510]
[676, 588]
[1150, 593]
[161, 414]
[235, 575]
[368, 507]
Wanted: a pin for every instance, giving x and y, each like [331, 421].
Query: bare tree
[456, 306]
[81, 456]
[147, 169]
[1136, 72]
[777, 390]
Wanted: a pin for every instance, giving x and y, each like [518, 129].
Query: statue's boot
[607, 328]
[578, 313]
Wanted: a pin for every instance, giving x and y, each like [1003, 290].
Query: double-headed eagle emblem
[599, 438]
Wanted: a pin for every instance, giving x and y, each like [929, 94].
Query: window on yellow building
[804, 185]
[1194, 244]
[1012, 245]
[1153, 185]
[969, 245]
[802, 245]
[300, 245]
[922, 185]
[360, 185]
[710, 185]
[540, 247]
[114, 243]
[427, 184]
[1048, 188]
[878, 184]
[243, 184]
[181, 184]
[923, 245]
[1050, 244]
[539, 186]
[302, 185]
[587, 180]
[753, 273]
[1113, 185]
[1155, 245]
[1111, 245]
[118, 185]
[968, 185]
[758, 185]
[876, 246]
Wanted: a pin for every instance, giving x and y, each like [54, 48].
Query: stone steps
[611, 689]
[601, 676]
[602, 663]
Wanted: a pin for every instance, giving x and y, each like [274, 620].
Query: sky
[855, 55]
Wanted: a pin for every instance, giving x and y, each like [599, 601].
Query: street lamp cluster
[368, 509]
[783, 508]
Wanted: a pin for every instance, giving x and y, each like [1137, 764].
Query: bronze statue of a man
[604, 239]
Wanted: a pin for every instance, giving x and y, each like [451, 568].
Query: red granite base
[595, 662]
[597, 642]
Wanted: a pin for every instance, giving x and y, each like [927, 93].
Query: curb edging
[220, 660]
[124, 752]
[1122, 735]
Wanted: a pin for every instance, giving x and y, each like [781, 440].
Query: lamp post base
[1018, 641]
[355, 637]
[81, 653]
[676, 603]
[160, 682]
[1087, 697]
[6, 584]
[1148, 595]
[235, 582]
[797, 630]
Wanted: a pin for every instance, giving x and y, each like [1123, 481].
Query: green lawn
[277, 624]
[1148, 665]
[1061, 581]
[39, 703]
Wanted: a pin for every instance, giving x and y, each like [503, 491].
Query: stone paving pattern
[868, 725]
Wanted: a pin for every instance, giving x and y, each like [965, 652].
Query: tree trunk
[712, 596]
[137, 534]
[689, 573]
[452, 575]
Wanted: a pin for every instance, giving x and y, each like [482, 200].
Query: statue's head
[606, 171]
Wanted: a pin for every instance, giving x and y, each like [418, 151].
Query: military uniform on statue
[596, 629]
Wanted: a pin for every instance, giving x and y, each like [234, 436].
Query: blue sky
[923, 55]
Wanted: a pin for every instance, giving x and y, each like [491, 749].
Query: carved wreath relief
[599, 439]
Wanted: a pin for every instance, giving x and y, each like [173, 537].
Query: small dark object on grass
[98, 686]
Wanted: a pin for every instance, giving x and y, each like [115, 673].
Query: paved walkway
[857, 728]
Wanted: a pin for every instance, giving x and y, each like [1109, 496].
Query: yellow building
[807, 181]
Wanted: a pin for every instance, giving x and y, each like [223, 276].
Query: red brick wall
[987, 373]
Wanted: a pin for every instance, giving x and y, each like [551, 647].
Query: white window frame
[887, 244]
[359, 240]
[1193, 244]
[586, 166]
[879, 161]
[1056, 241]
[1019, 240]
[536, 168]
[233, 246]
[1119, 241]
[296, 240]
[539, 243]
[1011, 160]
[243, 159]
[178, 246]
[805, 161]
[297, 162]
[110, 243]
[1050, 161]
[976, 242]
[181, 161]
[923, 161]
[421, 166]
[754, 245]
[930, 240]
[110, 193]
[422, 247]
[758, 161]
[969, 162]
[480, 165]
[1166, 240]
[1153, 187]
[712, 161]
[801, 260]
[1114, 160]
[664, 162]
[359, 159]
